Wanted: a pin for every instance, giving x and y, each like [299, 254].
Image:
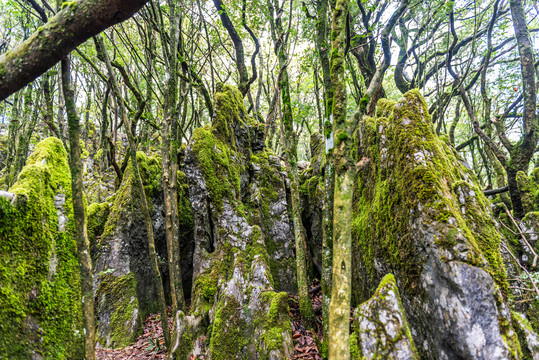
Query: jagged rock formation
[381, 330]
[40, 311]
[420, 216]
[237, 210]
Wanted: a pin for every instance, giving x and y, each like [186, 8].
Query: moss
[528, 192]
[276, 323]
[40, 310]
[119, 294]
[384, 108]
[230, 112]
[69, 4]
[150, 172]
[227, 338]
[219, 165]
[522, 327]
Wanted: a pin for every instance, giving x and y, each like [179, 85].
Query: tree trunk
[329, 168]
[290, 143]
[169, 162]
[339, 308]
[140, 188]
[522, 153]
[83, 245]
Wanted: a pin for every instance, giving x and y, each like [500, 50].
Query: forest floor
[149, 345]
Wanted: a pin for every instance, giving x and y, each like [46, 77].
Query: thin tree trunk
[329, 169]
[140, 188]
[290, 143]
[339, 308]
[83, 245]
[169, 163]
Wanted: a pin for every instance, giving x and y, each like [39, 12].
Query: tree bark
[74, 24]
[77, 190]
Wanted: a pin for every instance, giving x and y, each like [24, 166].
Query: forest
[269, 179]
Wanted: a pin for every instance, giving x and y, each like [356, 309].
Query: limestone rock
[381, 330]
[123, 284]
[419, 214]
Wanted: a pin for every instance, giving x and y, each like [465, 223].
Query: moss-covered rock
[116, 297]
[269, 209]
[97, 215]
[419, 214]
[380, 326]
[40, 310]
[235, 310]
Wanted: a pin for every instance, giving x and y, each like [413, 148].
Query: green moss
[229, 112]
[522, 326]
[528, 192]
[40, 309]
[69, 4]
[220, 165]
[150, 172]
[276, 323]
[119, 294]
[227, 338]
[384, 108]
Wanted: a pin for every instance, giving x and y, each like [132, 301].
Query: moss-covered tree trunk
[169, 162]
[522, 153]
[140, 188]
[290, 143]
[339, 308]
[75, 23]
[79, 214]
[323, 45]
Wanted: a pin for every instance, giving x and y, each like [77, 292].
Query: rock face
[420, 216]
[234, 302]
[381, 330]
[40, 312]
